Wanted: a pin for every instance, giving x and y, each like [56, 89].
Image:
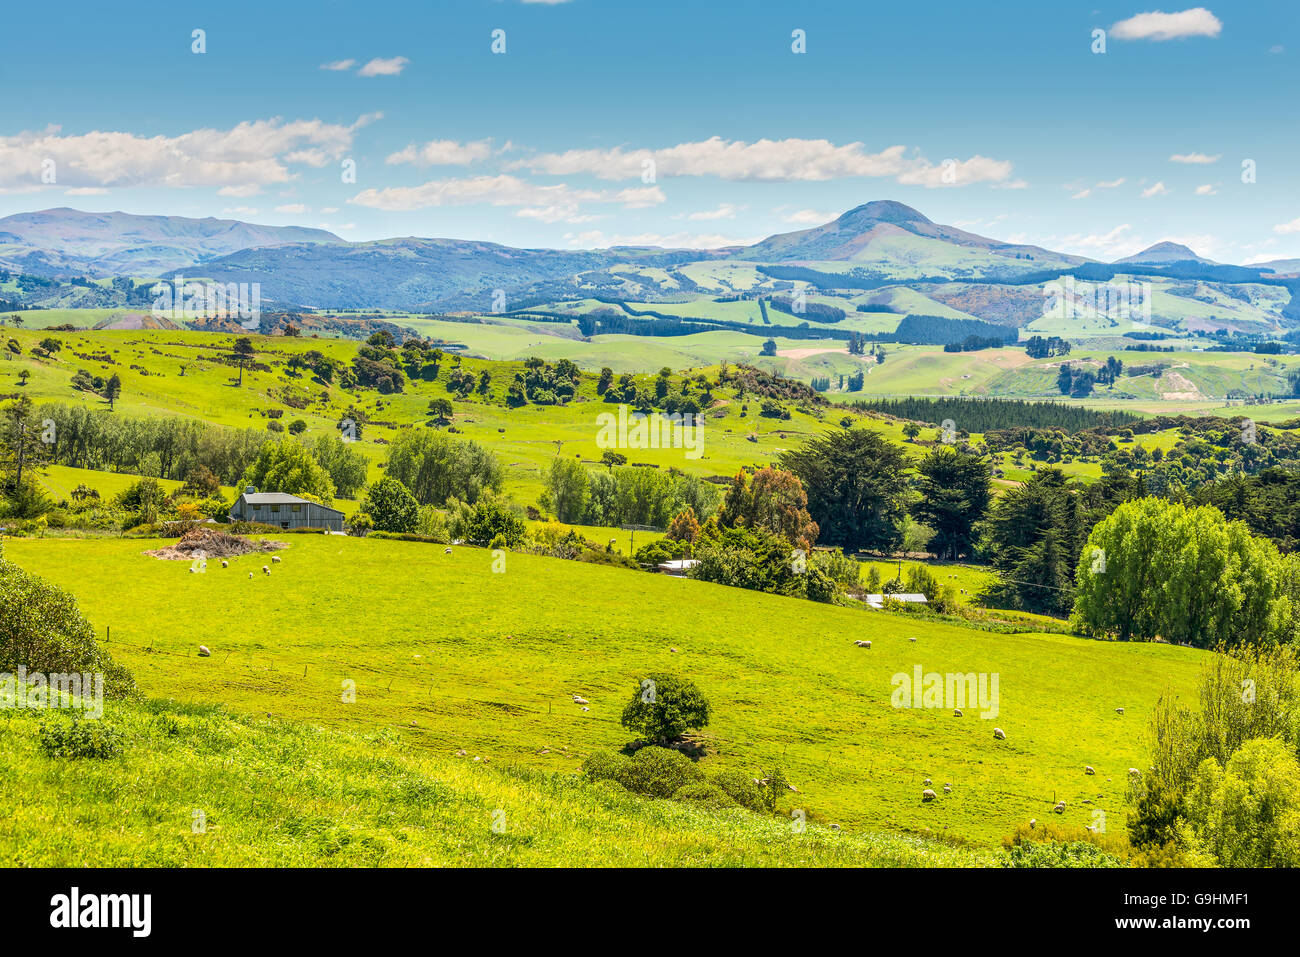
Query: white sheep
[927, 782]
[578, 700]
[275, 559]
[956, 712]
[947, 789]
[225, 564]
[446, 551]
[1119, 710]
[1134, 773]
[927, 795]
[1060, 807]
[863, 644]
[1088, 769]
[203, 651]
[999, 734]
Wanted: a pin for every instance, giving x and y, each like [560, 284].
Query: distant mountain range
[66, 242]
[882, 241]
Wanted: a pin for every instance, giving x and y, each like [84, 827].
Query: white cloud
[767, 161]
[808, 217]
[1105, 246]
[723, 211]
[442, 153]
[556, 214]
[1082, 194]
[379, 66]
[86, 191]
[1159, 26]
[1291, 227]
[329, 210]
[595, 239]
[501, 190]
[1157, 190]
[1206, 190]
[339, 65]
[296, 209]
[1198, 159]
[1111, 184]
[239, 160]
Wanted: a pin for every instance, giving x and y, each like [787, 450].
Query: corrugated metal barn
[287, 511]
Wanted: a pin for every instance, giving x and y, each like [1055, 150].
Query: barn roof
[280, 498]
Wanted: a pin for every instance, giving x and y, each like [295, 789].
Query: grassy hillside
[451, 656]
[307, 796]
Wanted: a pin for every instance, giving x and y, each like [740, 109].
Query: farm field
[449, 655]
[401, 807]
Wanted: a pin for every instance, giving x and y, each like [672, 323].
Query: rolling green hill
[451, 656]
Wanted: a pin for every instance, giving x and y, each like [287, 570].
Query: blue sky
[547, 144]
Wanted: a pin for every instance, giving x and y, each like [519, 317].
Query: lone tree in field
[113, 390]
[243, 351]
[664, 707]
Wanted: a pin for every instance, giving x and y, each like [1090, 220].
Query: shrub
[658, 772]
[740, 787]
[665, 707]
[1075, 854]
[604, 766]
[42, 630]
[616, 559]
[487, 520]
[391, 507]
[81, 739]
[1248, 813]
[704, 794]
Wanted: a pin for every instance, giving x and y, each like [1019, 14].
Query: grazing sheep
[927, 782]
[446, 551]
[275, 559]
[203, 651]
[266, 569]
[947, 789]
[1060, 807]
[835, 828]
[1033, 821]
[863, 644]
[911, 639]
[999, 734]
[1119, 710]
[927, 795]
[225, 564]
[1134, 773]
[586, 709]
[250, 574]
[956, 712]
[578, 700]
[1088, 769]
